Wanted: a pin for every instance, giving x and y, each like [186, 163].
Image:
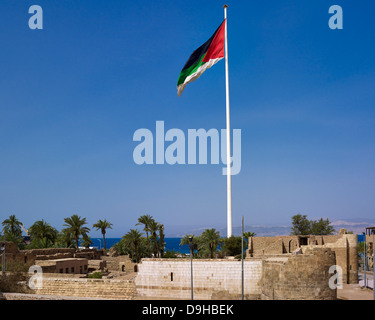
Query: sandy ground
[354, 292]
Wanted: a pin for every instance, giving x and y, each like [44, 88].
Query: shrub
[95, 275]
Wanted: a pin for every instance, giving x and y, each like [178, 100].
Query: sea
[171, 244]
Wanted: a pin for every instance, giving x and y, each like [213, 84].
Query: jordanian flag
[203, 58]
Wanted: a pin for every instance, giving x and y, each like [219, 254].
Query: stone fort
[275, 268]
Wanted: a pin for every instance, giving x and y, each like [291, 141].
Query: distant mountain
[356, 225]
[260, 230]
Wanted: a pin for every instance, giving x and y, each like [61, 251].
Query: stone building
[67, 266]
[54, 259]
[345, 247]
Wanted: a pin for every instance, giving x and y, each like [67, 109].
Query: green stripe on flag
[189, 71]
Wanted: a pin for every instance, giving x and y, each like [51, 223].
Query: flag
[203, 58]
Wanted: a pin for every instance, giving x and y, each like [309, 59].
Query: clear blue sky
[72, 95]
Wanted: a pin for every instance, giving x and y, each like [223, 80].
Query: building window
[171, 276]
[72, 269]
[61, 270]
[80, 269]
[67, 270]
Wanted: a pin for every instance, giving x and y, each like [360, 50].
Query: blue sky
[73, 94]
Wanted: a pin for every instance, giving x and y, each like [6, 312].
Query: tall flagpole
[229, 173]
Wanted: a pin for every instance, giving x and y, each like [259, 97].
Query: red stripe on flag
[216, 49]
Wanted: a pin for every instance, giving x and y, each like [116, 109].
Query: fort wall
[212, 279]
[344, 245]
[299, 277]
[123, 289]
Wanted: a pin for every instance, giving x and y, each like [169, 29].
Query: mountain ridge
[356, 226]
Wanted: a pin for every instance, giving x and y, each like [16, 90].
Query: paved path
[354, 292]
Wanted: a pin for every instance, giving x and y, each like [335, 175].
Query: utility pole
[191, 246]
[242, 274]
[365, 264]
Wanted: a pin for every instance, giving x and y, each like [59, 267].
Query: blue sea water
[171, 244]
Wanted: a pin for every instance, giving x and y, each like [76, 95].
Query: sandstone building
[345, 247]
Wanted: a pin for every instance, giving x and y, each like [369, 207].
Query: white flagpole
[229, 173]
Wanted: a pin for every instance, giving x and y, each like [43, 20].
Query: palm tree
[75, 226]
[133, 241]
[186, 241]
[12, 226]
[12, 231]
[248, 234]
[161, 240]
[41, 243]
[145, 219]
[41, 229]
[103, 225]
[154, 228]
[210, 239]
[64, 239]
[86, 242]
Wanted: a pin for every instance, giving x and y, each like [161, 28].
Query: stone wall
[37, 297]
[84, 287]
[299, 277]
[346, 251]
[29, 256]
[344, 245]
[120, 263]
[281, 277]
[212, 279]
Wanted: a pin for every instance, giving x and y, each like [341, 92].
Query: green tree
[232, 246]
[86, 241]
[42, 230]
[248, 234]
[171, 254]
[135, 244]
[121, 247]
[12, 226]
[75, 226]
[321, 227]
[42, 243]
[210, 240]
[154, 228]
[300, 225]
[12, 231]
[145, 220]
[64, 239]
[361, 248]
[103, 226]
[161, 240]
[185, 240]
